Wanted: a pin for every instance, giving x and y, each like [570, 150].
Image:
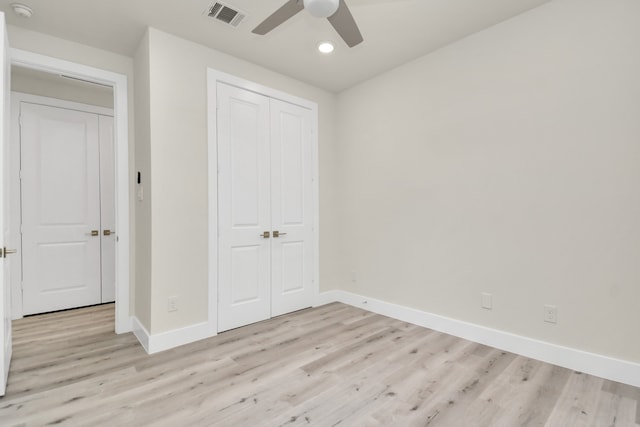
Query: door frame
[119, 84]
[16, 193]
[213, 78]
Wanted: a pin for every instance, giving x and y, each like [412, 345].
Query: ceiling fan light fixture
[326, 47]
[321, 8]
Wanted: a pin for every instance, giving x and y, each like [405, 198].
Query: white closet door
[244, 294]
[291, 207]
[60, 208]
[107, 209]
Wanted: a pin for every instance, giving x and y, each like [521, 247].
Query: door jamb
[121, 142]
[213, 77]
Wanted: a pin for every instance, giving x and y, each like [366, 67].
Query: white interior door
[5, 285]
[292, 208]
[244, 294]
[60, 181]
[107, 210]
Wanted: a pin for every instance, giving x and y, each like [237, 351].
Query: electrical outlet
[550, 314]
[487, 301]
[172, 304]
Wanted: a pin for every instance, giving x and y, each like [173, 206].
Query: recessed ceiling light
[326, 47]
[22, 10]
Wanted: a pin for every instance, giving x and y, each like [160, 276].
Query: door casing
[213, 77]
[119, 84]
[5, 237]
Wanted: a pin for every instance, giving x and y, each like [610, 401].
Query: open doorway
[116, 89]
[63, 182]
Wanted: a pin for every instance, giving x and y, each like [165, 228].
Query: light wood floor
[321, 367]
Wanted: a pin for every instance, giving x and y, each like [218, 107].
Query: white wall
[179, 170]
[82, 54]
[52, 86]
[505, 163]
[142, 291]
[509, 163]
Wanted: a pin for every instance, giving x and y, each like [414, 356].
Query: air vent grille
[226, 14]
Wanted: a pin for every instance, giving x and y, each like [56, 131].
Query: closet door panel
[244, 213]
[107, 209]
[60, 208]
[291, 207]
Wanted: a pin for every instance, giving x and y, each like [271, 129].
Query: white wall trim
[213, 77]
[219, 76]
[212, 148]
[140, 332]
[62, 103]
[121, 134]
[170, 339]
[571, 358]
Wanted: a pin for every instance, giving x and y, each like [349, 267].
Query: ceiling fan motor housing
[321, 8]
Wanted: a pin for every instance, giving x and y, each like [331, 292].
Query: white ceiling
[395, 31]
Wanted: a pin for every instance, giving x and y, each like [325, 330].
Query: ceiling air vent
[226, 14]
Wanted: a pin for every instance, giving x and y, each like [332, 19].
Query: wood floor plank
[327, 366]
[578, 403]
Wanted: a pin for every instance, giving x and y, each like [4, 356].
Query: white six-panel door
[61, 209]
[264, 190]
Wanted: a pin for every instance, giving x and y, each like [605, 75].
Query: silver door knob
[4, 252]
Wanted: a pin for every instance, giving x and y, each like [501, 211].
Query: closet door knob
[108, 232]
[278, 234]
[94, 233]
[266, 235]
[4, 252]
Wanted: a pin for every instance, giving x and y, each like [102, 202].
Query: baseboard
[170, 339]
[327, 297]
[574, 359]
[140, 332]
[125, 325]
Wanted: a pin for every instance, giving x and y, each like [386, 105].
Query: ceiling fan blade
[345, 25]
[288, 10]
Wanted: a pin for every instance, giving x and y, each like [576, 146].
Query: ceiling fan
[336, 12]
